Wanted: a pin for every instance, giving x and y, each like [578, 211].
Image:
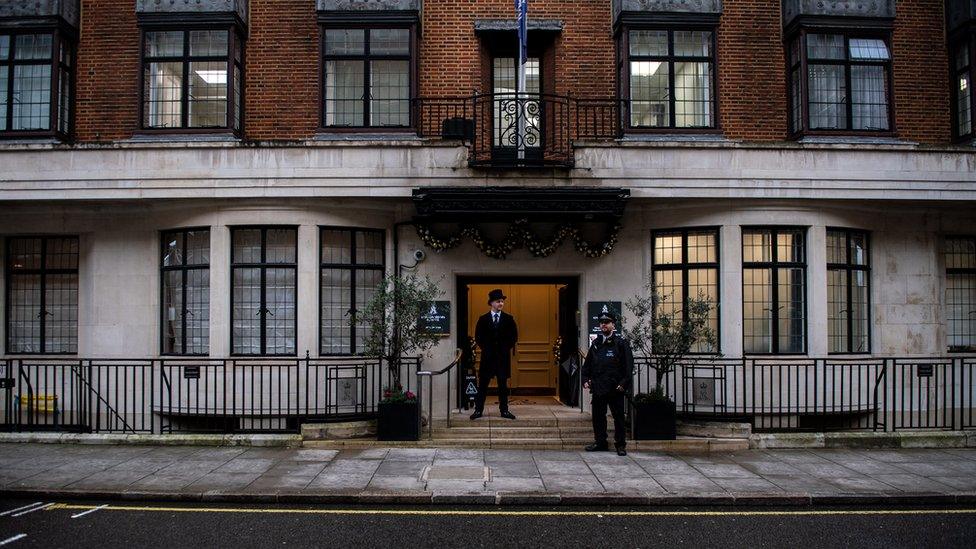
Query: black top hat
[608, 316]
[495, 295]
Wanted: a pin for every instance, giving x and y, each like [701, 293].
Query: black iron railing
[881, 394]
[172, 395]
[518, 130]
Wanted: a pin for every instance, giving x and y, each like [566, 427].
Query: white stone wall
[119, 267]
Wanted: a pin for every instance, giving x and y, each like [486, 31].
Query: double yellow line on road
[509, 513]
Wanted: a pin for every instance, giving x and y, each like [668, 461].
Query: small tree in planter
[394, 330]
[665, 338]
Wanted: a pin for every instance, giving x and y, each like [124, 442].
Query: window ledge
[674, 138]
[853, 140]
[377, 138]
[181, 138]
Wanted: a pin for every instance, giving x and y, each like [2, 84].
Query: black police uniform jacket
[609, 363]
[496, 344]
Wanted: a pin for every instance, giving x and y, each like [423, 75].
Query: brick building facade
[283, 142]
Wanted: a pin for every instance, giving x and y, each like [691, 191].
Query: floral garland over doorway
[520, 236]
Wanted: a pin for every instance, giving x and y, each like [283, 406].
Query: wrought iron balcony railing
[507, 130]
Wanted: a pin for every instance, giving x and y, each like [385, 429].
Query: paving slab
[426, 475]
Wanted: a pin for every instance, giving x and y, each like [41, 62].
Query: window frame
[235, 38]
[43, 272]
[967, 38]
[956, 270]
[799, 36]
[352, 267]
[263, 265]
[849, 267]
[366, 57]
[183, 269]
[684, 266]
[61, 37]
[774, 267]
[623, 82]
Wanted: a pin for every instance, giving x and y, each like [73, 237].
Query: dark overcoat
[496, 344]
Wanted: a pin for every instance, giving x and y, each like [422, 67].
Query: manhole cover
[447, 472]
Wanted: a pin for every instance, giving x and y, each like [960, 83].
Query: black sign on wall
[437, 320]
[596, 308]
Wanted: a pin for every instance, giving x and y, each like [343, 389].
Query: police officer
[607, 373]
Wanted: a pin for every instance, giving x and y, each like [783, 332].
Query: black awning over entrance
[537, 219]
[536, 205]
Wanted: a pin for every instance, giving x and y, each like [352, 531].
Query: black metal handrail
[512, 129]
[430, 375]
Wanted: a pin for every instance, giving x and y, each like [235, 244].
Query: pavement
[488, 477]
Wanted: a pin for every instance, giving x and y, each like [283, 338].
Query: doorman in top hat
[496, 335]
[607, 373]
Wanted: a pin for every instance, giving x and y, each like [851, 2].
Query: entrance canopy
[494, 204]
[537, 219]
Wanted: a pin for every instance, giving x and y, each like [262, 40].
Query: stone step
[714, 429]
[679, 446]
[462, 421]
[517, 432]
[338, 430]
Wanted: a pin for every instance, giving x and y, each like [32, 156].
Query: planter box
[654, 420]
[398, 421]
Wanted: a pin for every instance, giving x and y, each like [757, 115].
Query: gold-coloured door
[536, 311]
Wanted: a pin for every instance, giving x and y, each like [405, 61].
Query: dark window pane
[25, 253]
[692, 95]
[281, 246]
[345, 41]
[703, 284]
[246, 245]
[4, 82]
[208, 94]
[173, 253]
[173, 312]
[648, 42]
[197, 311]
[964, 115]
[868, 49]
[389, 41]
[869, 97]
[836, 247]
[164, 44]
[208, 43]
[62, 253]
[389, 92]
[24, 314]
[649, 94]
[757, 311]
[4, 47]
[859, 248]
[280, 317]
[791, 322]
[837, 312]
[163, 95]
[32, 97]
[828, 97]
[693, 43]
[336, 246]
[344, 93]
[246, 323]
[367, 284]
[860, 313]
[960, 253]
[369, 248]
[825, 46]
[960, 318]
[336, 293]
[198, 247]
[33, 46]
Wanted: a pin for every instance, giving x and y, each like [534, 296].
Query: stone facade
[238, 7]
[65, 9]
[837, 8]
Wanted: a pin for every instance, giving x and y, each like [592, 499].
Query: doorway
[546, 310]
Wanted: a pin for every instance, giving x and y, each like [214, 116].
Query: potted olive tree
[664, 334]
[394, 330]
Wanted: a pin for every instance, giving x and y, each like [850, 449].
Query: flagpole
[522, 32]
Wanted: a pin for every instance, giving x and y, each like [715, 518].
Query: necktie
[496, 319]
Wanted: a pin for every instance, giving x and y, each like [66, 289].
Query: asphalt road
[86, 524]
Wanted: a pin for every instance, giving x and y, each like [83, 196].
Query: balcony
[513, 130]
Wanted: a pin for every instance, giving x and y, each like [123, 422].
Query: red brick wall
[282, 71]
[282, 84]
[751, 71]
[451, 54]
[921, 72]
[107, 97]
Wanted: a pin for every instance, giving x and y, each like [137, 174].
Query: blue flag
[522, 17]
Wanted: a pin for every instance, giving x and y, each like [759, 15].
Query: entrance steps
[542, 427]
